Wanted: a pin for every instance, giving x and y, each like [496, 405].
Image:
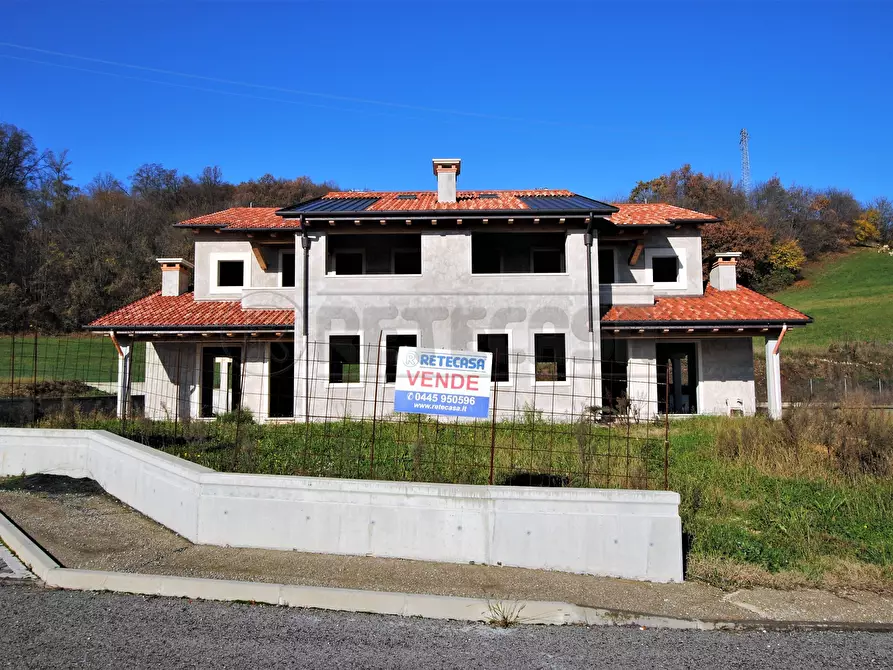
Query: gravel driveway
[40, 628]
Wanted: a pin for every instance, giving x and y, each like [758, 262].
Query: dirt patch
[53, 484]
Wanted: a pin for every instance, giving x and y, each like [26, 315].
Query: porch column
[124, 346]
[773, 375]
[641, 380]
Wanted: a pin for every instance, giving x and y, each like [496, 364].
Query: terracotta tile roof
[254, 218]
[741, 306]
[426, 201]
[657, 213]
[157, 311]
[240, 217]
[735, 307]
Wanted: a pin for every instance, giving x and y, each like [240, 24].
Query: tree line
[69, 254]
[777, 228]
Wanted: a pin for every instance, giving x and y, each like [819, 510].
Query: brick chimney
[174, 276]
[723, 274]
[446, 170]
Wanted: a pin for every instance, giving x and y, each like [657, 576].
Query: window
[498, 345]
[606, 266]
[230, 273]
[374, 254]
[288, 268]
[344, 359]
[547, 260]
[407, 262]
[665, 269]
[493, 253]
[551, 363]
[392, 347]
[350, 262]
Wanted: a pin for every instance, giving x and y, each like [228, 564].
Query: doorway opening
[282, 379]
[678, 363]
[221, 387]
[615, 361]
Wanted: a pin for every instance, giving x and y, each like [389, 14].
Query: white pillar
[773, 376]
[125, 345]
[641, 379]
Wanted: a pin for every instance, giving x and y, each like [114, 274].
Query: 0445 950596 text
[446, 398]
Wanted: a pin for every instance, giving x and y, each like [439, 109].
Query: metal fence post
[12, 369]
[375, 406]
[493, 434]
[34, 384]
[667, 432]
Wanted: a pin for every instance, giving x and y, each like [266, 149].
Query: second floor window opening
[665, 269]
[373, 254]
[231, 273]
[606, 266]
[518, 253]
[288, 268]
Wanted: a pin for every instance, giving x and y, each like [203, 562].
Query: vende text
[443, 380]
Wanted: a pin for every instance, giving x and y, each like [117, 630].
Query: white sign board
[445, 383]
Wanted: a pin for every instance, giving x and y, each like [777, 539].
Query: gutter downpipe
[587, 240]
[305, 245]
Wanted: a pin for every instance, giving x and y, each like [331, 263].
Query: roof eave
[714, 219]
[186, 329]
[401, 215]
[646, 325]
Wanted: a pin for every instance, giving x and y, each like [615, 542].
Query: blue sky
[590, 96]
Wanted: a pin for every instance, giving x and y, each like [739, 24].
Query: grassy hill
[850, 297]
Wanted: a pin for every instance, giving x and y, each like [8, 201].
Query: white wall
[629, 534]
[727, 375]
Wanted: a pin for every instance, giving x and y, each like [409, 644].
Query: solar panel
[335, 205]
[565, 203]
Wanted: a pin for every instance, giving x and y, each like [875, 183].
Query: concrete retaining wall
[630, 534]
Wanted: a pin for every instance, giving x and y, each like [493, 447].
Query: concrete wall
[171, 380]
[629, 534]
[727, 382]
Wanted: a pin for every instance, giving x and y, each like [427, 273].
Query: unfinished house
[299, 312]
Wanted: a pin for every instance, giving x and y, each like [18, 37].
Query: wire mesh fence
[247, 404]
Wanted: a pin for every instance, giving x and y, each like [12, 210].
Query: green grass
[411, 448]
[737, 511]
[850, 297]
[81, 357]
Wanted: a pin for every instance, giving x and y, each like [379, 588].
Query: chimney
[723, 274]
[174, 276]
[446, 169]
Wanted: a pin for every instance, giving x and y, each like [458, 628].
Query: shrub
[852, 441]
[241, 416]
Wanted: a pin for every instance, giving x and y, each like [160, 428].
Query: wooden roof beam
[637, 252]
[259, 255]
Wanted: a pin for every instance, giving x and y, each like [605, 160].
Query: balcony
[626, 294]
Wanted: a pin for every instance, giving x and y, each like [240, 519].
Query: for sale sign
[445, 383]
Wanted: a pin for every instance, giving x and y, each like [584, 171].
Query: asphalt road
[40, 628]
